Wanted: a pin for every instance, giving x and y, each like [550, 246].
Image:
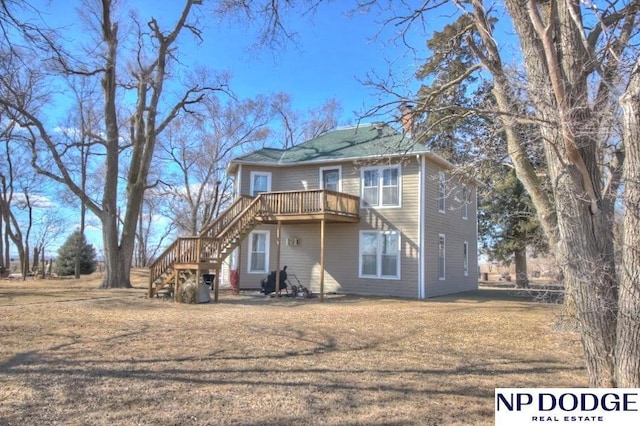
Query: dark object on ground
[268, 284]
[209, 280]
[301, 291]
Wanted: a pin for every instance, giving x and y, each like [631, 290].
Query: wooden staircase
[189, 255]
[206, 251]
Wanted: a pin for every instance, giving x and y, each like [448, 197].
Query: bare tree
[143, 79]
[199, 149]
[299, 126]
[576, 56]
[133, 95]
[153, 226]
[628, 326]
[83, 151]
[51, 224]
[16, 185]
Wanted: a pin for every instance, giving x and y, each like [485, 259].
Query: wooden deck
[209, 249]
[309, 206]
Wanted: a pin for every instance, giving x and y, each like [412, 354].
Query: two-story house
[359, 210]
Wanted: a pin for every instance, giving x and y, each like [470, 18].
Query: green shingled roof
[364, 141]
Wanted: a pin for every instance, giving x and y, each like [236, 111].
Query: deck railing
[315, 201]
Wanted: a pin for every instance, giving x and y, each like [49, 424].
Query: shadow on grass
[332, 374]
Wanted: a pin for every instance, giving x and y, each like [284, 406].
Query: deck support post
[216, 280]
[176, 287]
[196, 292]
[238, 263]
[278, 236]
[322, 223]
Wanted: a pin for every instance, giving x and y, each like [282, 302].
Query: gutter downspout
[475, 190]
[239, 181]
[421, 230]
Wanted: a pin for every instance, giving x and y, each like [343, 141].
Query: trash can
[208, 279]
[204, 289]
[204, 295]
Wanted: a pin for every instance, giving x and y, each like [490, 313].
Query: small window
[442, 191]
[441, 257]
[381, 186]
[330, 178]
[260, 182]
[380, 254]
[465, 258]
[259, 252]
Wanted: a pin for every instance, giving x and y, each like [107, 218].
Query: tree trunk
[117, 258]
[627, 352]
[117, 264]
[36, 259]
[520, 257]
[43, 273]
[25, 261]
[4, 266]
[7, 249]
[584, 251]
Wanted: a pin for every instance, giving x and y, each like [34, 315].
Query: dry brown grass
[71, 354]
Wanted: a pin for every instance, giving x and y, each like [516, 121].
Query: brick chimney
[406, 117]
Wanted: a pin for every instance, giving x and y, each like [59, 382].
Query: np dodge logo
[563, 406]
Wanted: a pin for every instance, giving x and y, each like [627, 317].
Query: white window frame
[442, 274]
[321, 180]
[380, 170]
[251, 187]
[465, 258]
[442, 192]
[378, 274]
[465, 202]
[266, 253]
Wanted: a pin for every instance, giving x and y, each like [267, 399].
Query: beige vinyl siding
[403, 219]
[342, 240]
[245, 178]
[290, 178]
[456, 231]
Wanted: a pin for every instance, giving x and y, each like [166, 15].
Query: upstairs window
[330, 178]
[260, 182]
[381, 186]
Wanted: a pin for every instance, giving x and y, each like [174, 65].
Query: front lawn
[72, 354]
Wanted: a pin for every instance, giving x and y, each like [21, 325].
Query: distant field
[72, 354]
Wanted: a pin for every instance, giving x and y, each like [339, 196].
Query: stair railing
[227, 216]
[182, 250]
[240, 223]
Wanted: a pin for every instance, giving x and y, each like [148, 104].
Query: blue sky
[333, 49]
[331, 52]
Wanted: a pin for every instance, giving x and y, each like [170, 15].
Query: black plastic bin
[209, 279]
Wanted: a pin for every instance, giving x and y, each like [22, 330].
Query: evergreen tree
[66, 262]
[507, 223]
